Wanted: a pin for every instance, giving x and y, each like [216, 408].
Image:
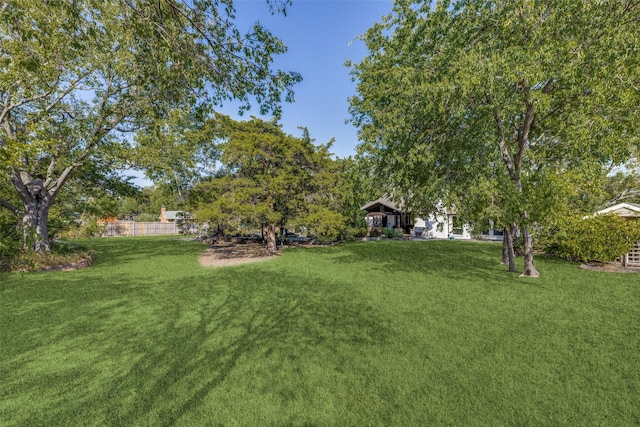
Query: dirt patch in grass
[227, 254]
[610, 267]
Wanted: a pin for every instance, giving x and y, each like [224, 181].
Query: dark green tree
[271, 178]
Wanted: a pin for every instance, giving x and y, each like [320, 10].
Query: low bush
[61, 256]
[390, 233]
[599, 238]
[354, 233]
[9, 242]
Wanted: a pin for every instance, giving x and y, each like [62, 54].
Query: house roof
[622, 209]
[382, 201]
[171, 214]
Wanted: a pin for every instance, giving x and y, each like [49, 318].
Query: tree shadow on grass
[128, 249]
[446, 259]
[247, 323]
[163, 358]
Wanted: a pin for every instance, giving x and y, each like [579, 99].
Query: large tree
[270, 178]
[536, 96]
[76, 76]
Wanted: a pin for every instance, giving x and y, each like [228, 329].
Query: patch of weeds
[63, 256]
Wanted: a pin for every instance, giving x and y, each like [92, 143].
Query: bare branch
[10, 207]
[523, 134]
[10, 107]
[73, 86]
[19, 185]
[506, 156]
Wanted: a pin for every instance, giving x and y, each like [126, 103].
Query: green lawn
[378, 333]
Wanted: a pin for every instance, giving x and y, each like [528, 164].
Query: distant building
[384, 213]
[169, 216]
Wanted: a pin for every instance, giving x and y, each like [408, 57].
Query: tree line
[515, 113]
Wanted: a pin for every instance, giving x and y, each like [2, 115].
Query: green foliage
[623, 186]
[596, 238]
[324, 223]
[10, 243]
[147, 217]
[354, 186]
[496, 107]
[271, 178]
[91, 227]
[62, 256]
[390, 233]
[78, 77]
[179, 150]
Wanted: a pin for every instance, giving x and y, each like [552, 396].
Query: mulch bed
[227, 254]
[611, 267]
[232, 250]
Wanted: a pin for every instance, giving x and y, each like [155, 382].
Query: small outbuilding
[631, 211]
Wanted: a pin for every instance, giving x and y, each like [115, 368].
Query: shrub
[324, 223]
[61, 256]
[375, 232]
[92, 228]
[10, 240]
[353, 233]
[147, 217]
[598, 238]
[390, 233]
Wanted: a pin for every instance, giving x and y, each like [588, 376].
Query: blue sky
[320, 36]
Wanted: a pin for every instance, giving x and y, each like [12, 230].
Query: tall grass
[377, 333]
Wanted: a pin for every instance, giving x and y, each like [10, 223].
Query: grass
[378, 333]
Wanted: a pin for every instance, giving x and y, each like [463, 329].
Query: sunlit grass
[377, 333]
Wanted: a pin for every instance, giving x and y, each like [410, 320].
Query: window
[456, 225]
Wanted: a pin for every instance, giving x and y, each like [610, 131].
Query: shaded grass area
[376, 333]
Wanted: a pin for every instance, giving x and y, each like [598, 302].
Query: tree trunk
[37, 201]
[529, 268]
[271, 238]
[506, 245]
[508, 254]
[35, 228]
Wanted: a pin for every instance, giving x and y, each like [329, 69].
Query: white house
[626, 210]
[444, 225]
[384, 213]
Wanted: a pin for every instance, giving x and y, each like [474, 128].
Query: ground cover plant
[371, 333]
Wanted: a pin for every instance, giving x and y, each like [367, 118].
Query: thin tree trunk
[505, 246]
[529, 268]
[508, 254]
[271, 238]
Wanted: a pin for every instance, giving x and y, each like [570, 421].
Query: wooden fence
[131, 228]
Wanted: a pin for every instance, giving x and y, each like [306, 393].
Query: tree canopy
[77, 76]
[270, 178]
[528, 101]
